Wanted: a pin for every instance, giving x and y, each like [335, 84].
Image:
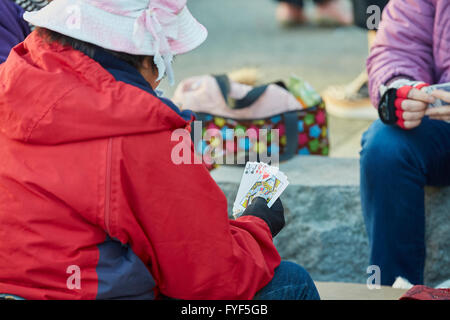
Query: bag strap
[291, 125]
[224, 85]
[252, 96]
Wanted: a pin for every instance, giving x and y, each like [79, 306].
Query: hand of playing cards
[259, 180]
[442, 86]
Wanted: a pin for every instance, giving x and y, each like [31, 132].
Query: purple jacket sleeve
[403, 45]
[13, 29]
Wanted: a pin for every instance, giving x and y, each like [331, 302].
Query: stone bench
[325, 230]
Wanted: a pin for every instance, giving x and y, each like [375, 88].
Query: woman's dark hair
[89, 48]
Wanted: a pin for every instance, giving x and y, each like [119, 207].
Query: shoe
[334, 13]
[351, 101]
[289, 15]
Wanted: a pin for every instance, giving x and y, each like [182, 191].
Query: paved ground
[245, 34]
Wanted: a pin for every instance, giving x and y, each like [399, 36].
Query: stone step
[325, 231]
[354, 291]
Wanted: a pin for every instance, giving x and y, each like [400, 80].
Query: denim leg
[290, 282]
[396, 165]
[4, 296]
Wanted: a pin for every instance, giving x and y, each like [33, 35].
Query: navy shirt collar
[125, 72]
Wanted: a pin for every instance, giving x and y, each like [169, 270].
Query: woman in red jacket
[91, 204]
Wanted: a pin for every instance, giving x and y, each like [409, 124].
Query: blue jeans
[4, 296]
[396, 165]
[290, 282]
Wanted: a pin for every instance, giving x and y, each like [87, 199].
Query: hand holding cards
[439, 102]
[440, 109]
[404, 103]
[259, 180]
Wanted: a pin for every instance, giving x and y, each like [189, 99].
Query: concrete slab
[354, 291]
[325, 230]
[304, 171]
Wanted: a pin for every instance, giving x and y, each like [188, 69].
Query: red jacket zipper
[108, 186]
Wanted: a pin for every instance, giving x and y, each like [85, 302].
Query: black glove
[274, 216]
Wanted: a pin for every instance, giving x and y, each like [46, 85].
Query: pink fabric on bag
[202, 94]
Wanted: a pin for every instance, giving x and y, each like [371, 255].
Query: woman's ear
[145, 63]
[149, 72]
[148, 64]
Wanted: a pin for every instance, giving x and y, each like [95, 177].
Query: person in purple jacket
[409, 147]
[13, 29]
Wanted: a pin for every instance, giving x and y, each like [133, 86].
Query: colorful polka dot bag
[240, 123]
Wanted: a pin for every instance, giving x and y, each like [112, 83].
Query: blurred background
[247, 34]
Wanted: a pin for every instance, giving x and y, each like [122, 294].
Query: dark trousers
[360, 10]
[300, 2]
[396, 165]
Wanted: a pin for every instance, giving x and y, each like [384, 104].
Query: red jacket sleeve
[403, 45]
[175, 219]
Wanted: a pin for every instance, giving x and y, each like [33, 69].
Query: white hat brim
[83, 21]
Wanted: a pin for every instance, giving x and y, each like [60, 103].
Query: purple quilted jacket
[413, 41]
[13, 29]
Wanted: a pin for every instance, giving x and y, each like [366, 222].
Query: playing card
[430, 89]
[279, 190]
[247, 178]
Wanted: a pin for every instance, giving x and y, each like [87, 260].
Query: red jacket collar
[53, 94]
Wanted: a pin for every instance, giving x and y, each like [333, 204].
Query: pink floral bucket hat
[159, 28]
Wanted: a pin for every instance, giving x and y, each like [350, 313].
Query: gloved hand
[274, 216]
[403, 103]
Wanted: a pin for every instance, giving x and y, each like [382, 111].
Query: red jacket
[87, 180]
